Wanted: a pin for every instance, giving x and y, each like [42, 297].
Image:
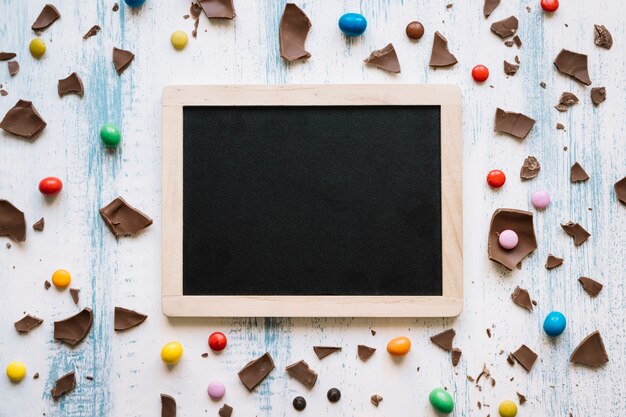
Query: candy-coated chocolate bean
[16, 371]
[508, 239]
[480, 73]
[299, 403]
[216, 390]
[507, 409]
[333, 395]
[441, 400]
[171, 353]
[37, 47]
[50, 185]
[61, 278]
[110, 135]
[540, 199]
[550, 5]
[352, 24]
[496, 178]
[179, 40]
[415, 30]
[399, 346]
[554, 324]
[217, 341]
[135, 3]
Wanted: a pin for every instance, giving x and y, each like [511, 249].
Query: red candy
[50, 185]
[550, 5]
[496, 178]
[217, 341]
[480, 73]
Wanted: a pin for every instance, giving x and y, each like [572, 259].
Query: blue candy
[352, 24]
[554, 324]
[135, 3]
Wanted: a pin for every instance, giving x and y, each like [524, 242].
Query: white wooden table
[129, 375]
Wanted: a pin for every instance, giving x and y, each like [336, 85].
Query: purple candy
[508, 239]
[540, 199]
[216, 390]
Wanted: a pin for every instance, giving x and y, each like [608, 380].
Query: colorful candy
[216, 390]
[135, 3]
[496, 178]
[352, 24]
[171, 353]
[37, 47]
[554, 324]
[110, 135]
[480, 73]
[507, 409]
[508, 239]
[299, 403]
[16, 371]
[540, 199]
[61, 278]
[179, 40]
[50, 185]
[399, 346]
[415, 30]
[550, 5]
[333, 395]
[441, 400]
[217, 341]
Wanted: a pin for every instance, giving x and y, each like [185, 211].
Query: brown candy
[415, 30]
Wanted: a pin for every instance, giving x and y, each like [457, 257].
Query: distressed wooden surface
[128, 372]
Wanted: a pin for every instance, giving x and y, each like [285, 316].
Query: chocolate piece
[74, 292]
[74, 329]
[195, 9]
[218, 9]
[521, 398]
[373, 332]
[385, 58]
[566, 100]
[48, 16]
[602, 37]
[455, 357]
[515, 124]
[620, 190]
[256, 371]
[92, 32]
[4, 92]
[509, 44]
[39, 225]
[552, 262]
[578, 174]
[518, 41]
[441, 56]
[521, 222]
[510, 69]
[577, 232]
[205, 355]
[301, 371]
[46, 284]
[225, 411]
[444, 339]
[14, 68]
[517, 59]
[574, 65]
[530, 169]
[122, 59]
[126, 319]
[323, 351]
[64, 385]
[365, 352]
[5, 56]
[598, 95]
[292, 32]
[168, 406]
[592, 287]
[505, 27]
[488, 331]
[414, 30]
[376, 399]
[489, 7]
[525, 357]
[560, 126]
[27, 323]
[12, 223]
[542, 85]
[449, 6]
[521, 297]
[590, 351]
[23, 120]
[71, 84]
[116, 7]
[560, 107]
[510, 359]
[194, 32]
[36, 375]
[123, 219]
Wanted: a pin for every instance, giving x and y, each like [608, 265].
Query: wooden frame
[174, 303]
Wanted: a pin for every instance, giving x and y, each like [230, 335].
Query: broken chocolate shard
[46, 284]
[525, 357]
[323, 351]
[489, 7]
[542, 85]
[301, 371]
[218, 9]
[168, 406]
[71, 85]
[47, 17]
[505, 27]
[521, 222]
[521, 297]
[591, 286]
[518, 41]
[576, 231]
[126, 319]
[568, 99]
[225, 411]
[521, 398]
[602, 37]
[23, 120]
[195, 9]
[5, 56]
[455, 356]
[3, 92]
[510, 69]
[74, 292]
[39, 225]
[552, 262]
[292, 33]
[620, 190]
[598, 95]
[441, 56]
[14, 67]
[256, 371]
[123, 219]
[376, 399]
[560, 126]
[515, 124]
[510, 359]
[89, 377]
[12, 222]
[92, 32]
[385, 58]
[64, 385]
[574, 65]
[590, 351]
[560, 107]
[578, 174]
[444, 339]
[36, 375]
[509, 44]
[74, 329]
[365, 352]
[122, 59]
[27, 323]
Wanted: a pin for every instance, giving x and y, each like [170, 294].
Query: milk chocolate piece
[225, 411]
[218, 9]
[256, 371]
[92, 32]
[64, 385]
[509, 44]
[365, 352]
[510, 69]
[168, 406]
[574, 65]
[23, 120]
[12, 223]
[74, 292]
[3, 92]
[123, 219]
[121, 59]
[525, 357]
[505, 27]
[71, 85]
[14, 68]
[552, 262]
[441, 56]
[301, 371]
[577, 232]
[489, 7]
[444, 339]
[590, 351]
[195, 9]
[598, 95]
[126, 319]
[620, 190]
[376, 399]
[515, 124]
[292, 32]
[48, 16]
[323, 351]
[116, 7]
[602, 37]
[521, 222]
[518, 41]
[521, 398]
[385, 58]
[455, 357]
[592, 287]
[521, 297]
[577, 173]
[39, 225]
[560, 126]
[74, 329]
[27, 323]
[5, 56]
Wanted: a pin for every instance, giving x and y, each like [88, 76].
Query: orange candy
[61, 278]
[399, 346]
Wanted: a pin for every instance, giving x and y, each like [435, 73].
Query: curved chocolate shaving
[620, 190]
[602, 37]
[505, 27]
[27, 323]
[455, 356]
[126, 319]
[123, 219]
[510, 69]
[323, 351]
[39, 225]
[47, 17]
[218, 9]
[5, 56]
[598, 95]
[92, 32]
[64, 385]
[23, 120]
[74, 329]
[577, 232]
[577, 173]
[552, 262]
[525, 357]
[592, 286]
[292, 33]
[385, 58]
[489, 7]
[515, 124]
[365, 352]
[71, 85]
[521, 297]
[441, 56]
[12, 222]
[256, 371]
[301, 371]
[573, 64]
[14, 68]
[444, 339]
[590, 351]
[168, 406]
[121, 59]
[521, 222]
[530, 169]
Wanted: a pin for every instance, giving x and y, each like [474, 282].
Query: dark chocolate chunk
[577, 232]
[510, 69]
[376, 399]
[441, 56]
[92, 32]
[444, 339]
[620, 190]
[365, 352]
[299, 403]
[385, 58]
[39, 225]
[14, 67]
[225, 411]
[46, 284]
[205, 355]
[560, 126]
[574, 65]
[455, 357]
[488, 331]
[552, 262]
[505, 27]
[218, 9]
[602, 37]
[518, 41]
[521, 297]
[71, 85]
[256, 371]
[36, 375]
[489, 7]
[590, 351]
[122, 59]
[74, 329]
[116, 7]
[373, 332]
[521, 222]
[12, 222]
[168, 406]
[333, 395]
[521, 398]
[530, 169]
[592, 287]
[48, 16]
[515, 124]
[5, 56]
[301, 371]
[194, 32]
[598, 95]
[74, 292]
[3, 92]
[23, 120]
[123, 219]
[578, 174]
[560, 107]
[126, 319]
[27, 323]
[525, 357]
[292, 33]
[64, 385]
[414, 30]
[323, 351]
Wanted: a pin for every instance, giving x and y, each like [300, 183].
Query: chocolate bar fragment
[292, 33]
[590, 351]
[385, 58]
[256, 371]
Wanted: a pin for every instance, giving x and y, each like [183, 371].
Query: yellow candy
[399, 346]
[16, 371]
[507, 409]
[37, 47]
[61, 278]
[179, 40]
[171, 353]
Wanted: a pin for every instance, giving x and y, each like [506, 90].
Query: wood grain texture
[129, 375]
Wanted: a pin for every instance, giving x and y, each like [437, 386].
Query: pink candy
[508, 239]
[216, 390]
[540, 199]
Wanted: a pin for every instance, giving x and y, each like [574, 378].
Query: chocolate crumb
[521, 297]
[534, 303]
[89, 377]
[542, 85]
[553, 262]
[602, 37]
[39, 225]
[205, 355]
[573, 64]
[505, 27]
[74, 292]
[521, 398]
[528, 9]
[4, 92]
[488, 333]
[620, 190]
[515, 124]
[575, 230]
[14, 68]
[376, 399]
[373, 332]
[517, 61]
[565, 148]
[116, 7]
[470, 378]
[492, 381]
[8, 245]
[518, 41]
[525, 357]
[592, 287]
[485, 372]
[385, 58]
[560, 126]
[510, 359]
[510, 69]
[449, 6]
[578, 174]
[455, 357]
[479, 405]
[186, 16]
[598, 95]
[47, 284]
[92, 32]
[590, 351]
[509, 44]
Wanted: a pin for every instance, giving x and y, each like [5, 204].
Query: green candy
[441, 400]
[110, 135]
